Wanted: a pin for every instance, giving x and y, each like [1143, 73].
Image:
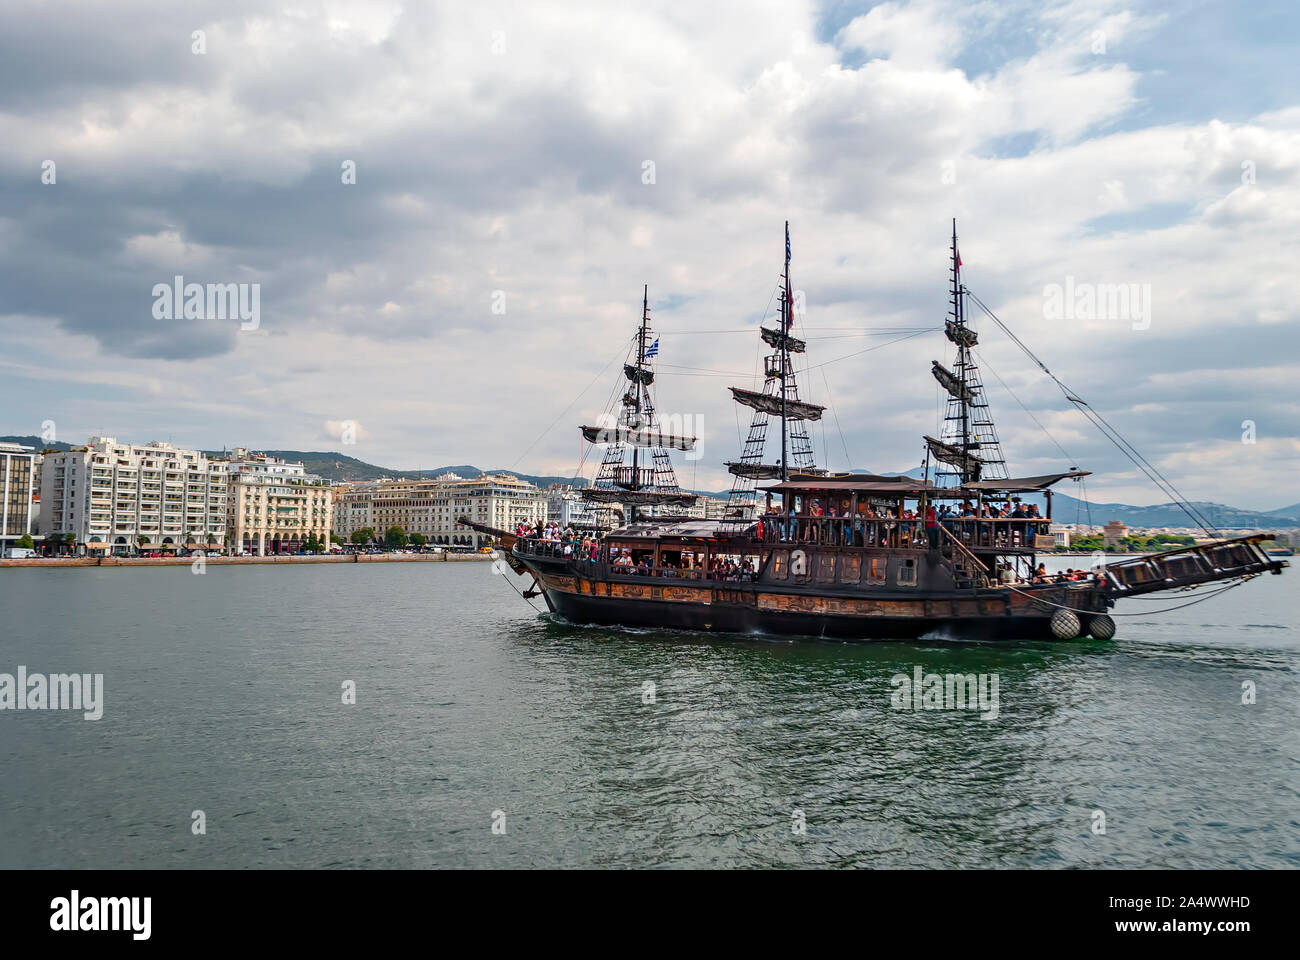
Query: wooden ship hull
[853, 593]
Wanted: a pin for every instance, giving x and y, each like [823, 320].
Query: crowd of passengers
[1040, 575]
[566, 543]
[885, 526]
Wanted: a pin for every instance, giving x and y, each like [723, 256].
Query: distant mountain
[1067, 509]
[38, 443]
[336, 466]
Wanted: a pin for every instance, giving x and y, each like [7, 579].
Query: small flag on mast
[653, 350]
[787, 240]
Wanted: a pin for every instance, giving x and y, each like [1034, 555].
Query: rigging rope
[1111, 434]
[1141, 613]
[568, 408]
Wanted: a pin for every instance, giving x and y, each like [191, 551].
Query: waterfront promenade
[235, 561]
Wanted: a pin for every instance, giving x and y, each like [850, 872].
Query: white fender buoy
[1065, 625]
[1102, 627]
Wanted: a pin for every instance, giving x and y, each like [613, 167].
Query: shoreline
[233, 561]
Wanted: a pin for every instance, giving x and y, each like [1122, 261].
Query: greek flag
[787, 239]
[653, 350]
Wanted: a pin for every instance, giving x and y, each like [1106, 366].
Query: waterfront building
[1113, 533]
[710, 508]
[17, 482]
[122, 498]
[1060, 534]
[565, 506]
[275, 506]
[431, 507]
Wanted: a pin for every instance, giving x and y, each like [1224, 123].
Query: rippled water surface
[223, 694]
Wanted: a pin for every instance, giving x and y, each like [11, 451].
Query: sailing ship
[853, 556]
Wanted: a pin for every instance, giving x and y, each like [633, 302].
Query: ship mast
[780, 399]
[969, 446]
[785, 353]
[636, 426]
[640, 363]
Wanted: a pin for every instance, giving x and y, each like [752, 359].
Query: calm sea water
[224, 694]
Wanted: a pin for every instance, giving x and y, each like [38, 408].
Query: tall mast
[963, 357]
[640, 363]
[785, 351]
[637, 426]
[969, 448]
[779, 399]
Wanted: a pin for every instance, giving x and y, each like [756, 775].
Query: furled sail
[775, 338]
[949, 381]
[637, 438]
[948, 453]
[771, 404]
[963, 336]
[755, 471]
[638, 498]
[635, 373]
[968, 463]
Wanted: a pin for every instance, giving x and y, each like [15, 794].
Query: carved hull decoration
[771, 404]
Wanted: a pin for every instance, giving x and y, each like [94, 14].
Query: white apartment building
[708, 508]
[121, 498]
[565, 506]
[431, 507]
[17, 483]
[274, 506]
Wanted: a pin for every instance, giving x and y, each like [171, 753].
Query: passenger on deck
[932, 527]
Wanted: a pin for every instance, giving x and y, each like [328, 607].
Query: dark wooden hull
[751, 608]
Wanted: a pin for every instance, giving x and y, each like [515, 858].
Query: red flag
[958, 252]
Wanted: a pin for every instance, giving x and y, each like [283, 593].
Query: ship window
[780, 564]
[907, 574]
[851, 569]
[876, 573]
[826, 567]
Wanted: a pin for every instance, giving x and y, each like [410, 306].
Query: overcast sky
[501, 153]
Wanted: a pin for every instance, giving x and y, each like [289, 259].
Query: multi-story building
[120, 498]
[708, 508]
[1060, 534]
[275, 506]
[565, 506]
[17, 481]
[431, 507]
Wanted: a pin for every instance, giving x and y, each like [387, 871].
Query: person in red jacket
[932, 526]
